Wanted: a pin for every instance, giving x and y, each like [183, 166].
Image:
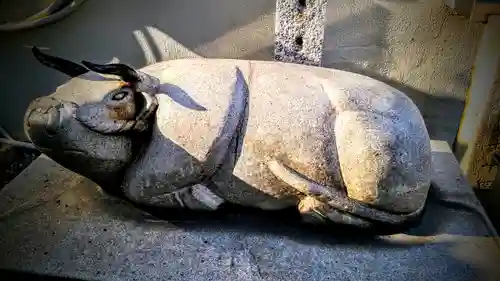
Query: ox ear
[126, 73]
[65, 66]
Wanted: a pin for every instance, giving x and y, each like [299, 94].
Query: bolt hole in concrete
[302, 5]
[299, 41]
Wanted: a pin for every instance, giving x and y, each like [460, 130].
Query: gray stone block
[65, 226]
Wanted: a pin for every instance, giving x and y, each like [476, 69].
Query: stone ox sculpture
[198, 133]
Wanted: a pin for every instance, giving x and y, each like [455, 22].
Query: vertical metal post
[299, 31]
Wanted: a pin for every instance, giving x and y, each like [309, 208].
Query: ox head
[94, 127]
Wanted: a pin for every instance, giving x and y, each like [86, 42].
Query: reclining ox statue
[201, 133]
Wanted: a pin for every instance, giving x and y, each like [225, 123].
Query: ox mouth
[47, 114]
[43, 120]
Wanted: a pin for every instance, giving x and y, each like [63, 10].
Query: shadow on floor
[15, 274]
[489, 199]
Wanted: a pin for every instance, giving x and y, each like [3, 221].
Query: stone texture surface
[65, 226]
[299, 30]
[482, 171]
[221, 123]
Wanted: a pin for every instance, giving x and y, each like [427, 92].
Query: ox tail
[339, 201]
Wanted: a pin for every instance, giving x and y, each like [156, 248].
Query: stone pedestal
[54, 222]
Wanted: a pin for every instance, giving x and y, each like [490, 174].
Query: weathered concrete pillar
[478, 140]
[299, 31]
[475, 10]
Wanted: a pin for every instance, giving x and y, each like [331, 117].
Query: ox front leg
[194, 197]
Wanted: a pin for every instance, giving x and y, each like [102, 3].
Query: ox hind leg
[323, 204]
[385, 164]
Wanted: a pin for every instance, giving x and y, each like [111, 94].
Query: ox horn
[65, 66]
[127, 73]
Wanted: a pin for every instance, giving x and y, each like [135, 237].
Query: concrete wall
[420, 47]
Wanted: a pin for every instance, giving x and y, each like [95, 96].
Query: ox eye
[119, 96]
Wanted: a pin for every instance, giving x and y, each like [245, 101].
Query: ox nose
[48, 119]
[44, 113]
